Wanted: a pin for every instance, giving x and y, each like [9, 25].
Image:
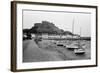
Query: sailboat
[79, 50]
[71, 45]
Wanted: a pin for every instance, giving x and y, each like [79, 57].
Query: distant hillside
[47, 27]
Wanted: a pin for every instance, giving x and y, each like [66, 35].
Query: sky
[63, 20]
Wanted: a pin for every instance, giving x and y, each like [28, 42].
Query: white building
[52, 36]
[33, 35]
[45, 36]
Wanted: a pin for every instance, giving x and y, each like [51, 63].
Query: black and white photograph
[56, 36]
[53, 36]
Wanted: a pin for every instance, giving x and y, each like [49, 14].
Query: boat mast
[79, 39]
[80, 35]
[72, 30]
[73, 27]
[80, 31]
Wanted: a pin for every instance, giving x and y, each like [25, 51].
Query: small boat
[72, 47]
[79, 51]
[60, 44]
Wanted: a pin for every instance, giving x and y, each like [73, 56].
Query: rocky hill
[47, 27]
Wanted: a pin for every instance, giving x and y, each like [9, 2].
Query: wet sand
[48, 51]
[32, 53]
